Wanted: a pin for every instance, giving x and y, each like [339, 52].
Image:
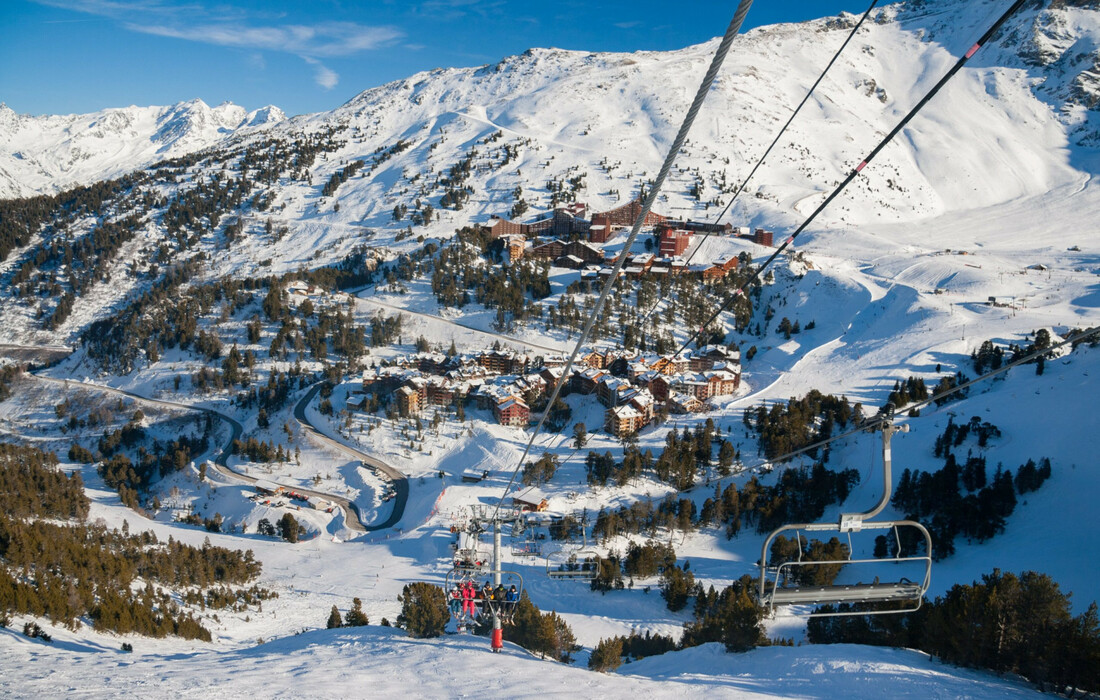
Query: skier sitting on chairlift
[455, 602]
[468, 606]
[508, 606]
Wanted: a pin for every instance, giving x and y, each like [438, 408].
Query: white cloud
[324, 39]
[323, 76]
[228, 26]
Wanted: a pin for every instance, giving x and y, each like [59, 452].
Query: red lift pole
[498, 632]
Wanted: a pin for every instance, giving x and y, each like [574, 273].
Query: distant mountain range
[49, 153]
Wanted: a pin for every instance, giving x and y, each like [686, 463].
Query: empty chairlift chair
[581, 563]
[525, 539]
[786, 583]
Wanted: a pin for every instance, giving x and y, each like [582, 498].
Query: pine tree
[607, 656]
[334, 619]
[424, 610]
[356, 617]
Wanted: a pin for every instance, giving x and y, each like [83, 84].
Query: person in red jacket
[468, 606]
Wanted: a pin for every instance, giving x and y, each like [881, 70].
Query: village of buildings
[636, 388]
[576, 241]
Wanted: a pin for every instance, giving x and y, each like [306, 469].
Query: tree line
[1007, 623]
[961, 498]
[70, 570]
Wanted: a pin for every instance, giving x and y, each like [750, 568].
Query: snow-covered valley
[978, 224]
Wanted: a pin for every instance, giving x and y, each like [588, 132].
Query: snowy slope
[378, 662]
[996, 175]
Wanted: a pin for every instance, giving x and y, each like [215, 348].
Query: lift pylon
[470, 603]
[776, 587]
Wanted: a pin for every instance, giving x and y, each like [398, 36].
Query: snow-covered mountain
[45, 154]
[990, 192]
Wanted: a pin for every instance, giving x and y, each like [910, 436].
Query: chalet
[431, 362]
[267, 488]
[587, 252]
[700, 363]
[623, 420]
[551, 375]
[503, 362]
[640, 373]
[721, 353]
[720, 268]
[692, 383]
[408, 401]
[586, 381]
[619, 365]
[383, 380]
[595, 359]
[531, 385]
[722, 382]
[440, 393]
[605, 272]
[644, 261]
[515, 246]
[530, 499]
[355, 403]
[670, 365]
[684, 403]
[643, 402]
[551, 250]
[660, 386]
[570, 261]
[419, 384]
[612, 391]
[554, 361]
[714, 357]
[512, 412]
[487, 396]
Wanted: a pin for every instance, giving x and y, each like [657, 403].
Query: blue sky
[73, 56]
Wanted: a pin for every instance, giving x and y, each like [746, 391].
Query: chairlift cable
[700, 96]
[859, 168]
[775, 141]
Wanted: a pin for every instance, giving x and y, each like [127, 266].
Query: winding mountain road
[236, 430]
[400, 481]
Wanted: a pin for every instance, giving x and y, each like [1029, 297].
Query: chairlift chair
[527, 547]
[581, 563]
[469, 555]
[775, 589]
[504, 608]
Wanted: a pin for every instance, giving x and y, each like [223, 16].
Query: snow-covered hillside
[381, 662]
[977, 223]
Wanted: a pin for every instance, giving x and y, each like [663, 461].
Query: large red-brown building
[762, 237]
[626, 215]
[512, 411]
[674, 242]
